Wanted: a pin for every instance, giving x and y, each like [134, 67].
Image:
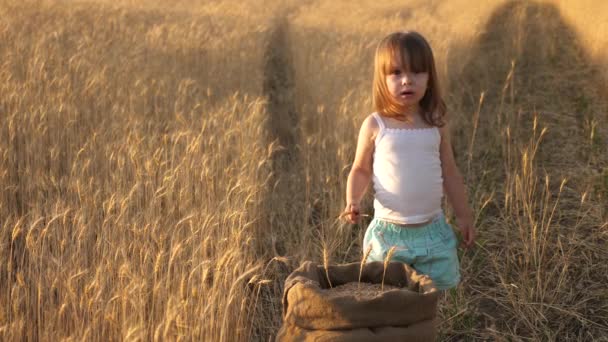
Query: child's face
[406, 86]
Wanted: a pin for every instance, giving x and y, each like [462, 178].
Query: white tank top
[407, 177]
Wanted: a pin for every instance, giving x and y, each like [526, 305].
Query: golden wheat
[387, 260]
[155, 157]
[363, 261]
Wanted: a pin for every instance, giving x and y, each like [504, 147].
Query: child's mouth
[407, 93]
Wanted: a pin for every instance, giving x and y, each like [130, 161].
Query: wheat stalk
[389, 255]
[472, 143]
[365, 255]
[326, 265]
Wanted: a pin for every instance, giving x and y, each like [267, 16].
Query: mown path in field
[278, 86]
[282, 126]
[286, 185]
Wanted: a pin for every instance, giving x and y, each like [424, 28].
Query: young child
[404, 149]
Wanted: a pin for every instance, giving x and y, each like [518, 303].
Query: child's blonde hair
[413, 53]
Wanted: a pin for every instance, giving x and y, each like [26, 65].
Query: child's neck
[410, 114]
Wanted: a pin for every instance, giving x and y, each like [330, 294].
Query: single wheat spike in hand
[367, 252]
[389, 255]
[344, 214]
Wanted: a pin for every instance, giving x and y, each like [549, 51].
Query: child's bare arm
[453, 184]
[361, 172]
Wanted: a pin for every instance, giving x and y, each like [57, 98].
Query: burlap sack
[310, 314]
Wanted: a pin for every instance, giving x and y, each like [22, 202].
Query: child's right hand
[352, 212]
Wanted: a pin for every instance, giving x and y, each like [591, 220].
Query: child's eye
[395, 72]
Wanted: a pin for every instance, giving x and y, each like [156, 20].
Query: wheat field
[165, 165]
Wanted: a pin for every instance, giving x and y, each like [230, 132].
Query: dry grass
[164, 169]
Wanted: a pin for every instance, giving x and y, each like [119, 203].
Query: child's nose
[406, 79]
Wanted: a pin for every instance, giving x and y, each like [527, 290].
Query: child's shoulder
[443, 126]
[369, 128]
[444, 130]
[371, 121]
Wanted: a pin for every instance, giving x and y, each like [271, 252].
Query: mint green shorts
[430, 249]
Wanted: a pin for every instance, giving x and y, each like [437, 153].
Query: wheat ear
[389, 255]
[369, 250]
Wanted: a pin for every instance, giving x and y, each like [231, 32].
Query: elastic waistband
[433, 219]
[433, 228]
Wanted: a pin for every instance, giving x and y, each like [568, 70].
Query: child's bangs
[408, 54]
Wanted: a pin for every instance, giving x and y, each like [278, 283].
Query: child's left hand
[467, 229]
